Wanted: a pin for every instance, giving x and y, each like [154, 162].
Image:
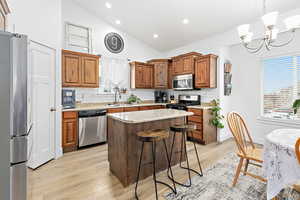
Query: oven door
[183, 82]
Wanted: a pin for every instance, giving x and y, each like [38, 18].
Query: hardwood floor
[85, 175]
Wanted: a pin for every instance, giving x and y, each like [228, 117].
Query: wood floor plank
[85, 175]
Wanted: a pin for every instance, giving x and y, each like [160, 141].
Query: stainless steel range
[184, 101]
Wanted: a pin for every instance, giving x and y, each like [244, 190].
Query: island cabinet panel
[80, 69]
[141, 75]
[69, 131]
[161, 70]
[185, 63]
[124, 149]
[206, 71]
[205, 133]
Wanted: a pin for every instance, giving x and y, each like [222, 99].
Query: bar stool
[153, 137]
[183, 130]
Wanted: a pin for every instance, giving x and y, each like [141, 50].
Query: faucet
[117, 91]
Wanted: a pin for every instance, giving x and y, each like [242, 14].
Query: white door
[42, 89]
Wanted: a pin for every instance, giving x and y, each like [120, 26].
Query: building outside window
[281, 86]
[78, 38]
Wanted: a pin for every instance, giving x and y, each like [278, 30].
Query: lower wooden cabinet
[205, 133]
[134, 108]
[69, 131]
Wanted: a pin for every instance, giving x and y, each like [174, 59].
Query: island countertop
[149, 115]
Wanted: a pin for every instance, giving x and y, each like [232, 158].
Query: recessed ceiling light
[185, 21]
[108, 5]
[155, 35]
[118, 22]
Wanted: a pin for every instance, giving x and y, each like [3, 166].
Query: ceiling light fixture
[185, 21]
[155, 35]
[108, 5]
[271, 33]
[118, 22]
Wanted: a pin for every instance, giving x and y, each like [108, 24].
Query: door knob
[52, 109]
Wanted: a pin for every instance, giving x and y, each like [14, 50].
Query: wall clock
[114, 42]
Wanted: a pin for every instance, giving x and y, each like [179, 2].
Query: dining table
[281, 168]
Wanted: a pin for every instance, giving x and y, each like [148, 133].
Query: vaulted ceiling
[144, 18]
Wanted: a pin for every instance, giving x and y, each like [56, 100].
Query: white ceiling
[143, 18]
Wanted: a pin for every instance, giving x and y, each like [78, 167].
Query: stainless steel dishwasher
[92, 127]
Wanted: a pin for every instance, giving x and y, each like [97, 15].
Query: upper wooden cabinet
[80, 69]
[4, 11]
[185, 63]
[141, 75]
[160, 72]
[206, 71]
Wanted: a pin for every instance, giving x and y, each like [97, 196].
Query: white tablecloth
[280, 167]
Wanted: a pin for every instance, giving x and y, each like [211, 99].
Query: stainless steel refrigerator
[13, 116]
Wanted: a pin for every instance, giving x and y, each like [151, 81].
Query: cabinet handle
[52, 109]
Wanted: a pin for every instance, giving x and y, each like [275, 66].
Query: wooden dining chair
[247, 151]
[297, 150]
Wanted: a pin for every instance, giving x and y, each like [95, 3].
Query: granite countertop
[149, 115]
[200, 107]
[95, 106]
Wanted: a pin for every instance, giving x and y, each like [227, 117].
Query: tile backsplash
[92, 95]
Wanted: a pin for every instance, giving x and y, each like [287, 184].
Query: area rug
[217, 181]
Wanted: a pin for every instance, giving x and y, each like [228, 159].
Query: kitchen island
[124, 148]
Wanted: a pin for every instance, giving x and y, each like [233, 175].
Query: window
[78, 38]
[281, 86]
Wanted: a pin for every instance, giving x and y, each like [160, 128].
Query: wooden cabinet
[80, 69]
[115, 110]
[205, 133]
[141, 75]
[4, 11]
[206, 71]
[160, 72]
[131, 109]
[170, 75]
[69, 131]
[150, 107]
[185, 63]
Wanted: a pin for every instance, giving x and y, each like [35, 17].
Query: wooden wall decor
[4, 11]
[227, 79]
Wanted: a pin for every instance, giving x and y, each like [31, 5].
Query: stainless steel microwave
[183, 82]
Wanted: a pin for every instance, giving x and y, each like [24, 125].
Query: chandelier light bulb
[243, 30]
[248, 38]
[270, 19]
[272, 34]
[292, 22]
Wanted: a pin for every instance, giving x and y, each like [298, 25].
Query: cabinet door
[139, 77]
[188, 65]
[148, 76]
[177, 66]
[161, 75]
[70, 131]
[71, 66]
[170, 76]
[202, 73]
[90, 72]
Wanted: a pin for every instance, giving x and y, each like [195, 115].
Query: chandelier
[271, 32]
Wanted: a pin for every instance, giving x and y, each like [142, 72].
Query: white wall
[245, 97]
[41, 21]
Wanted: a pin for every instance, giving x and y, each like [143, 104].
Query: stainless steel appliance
[183, 82]
[92, 127]
[161, 97]
[13, 119]
[68, 98]
[184, 101]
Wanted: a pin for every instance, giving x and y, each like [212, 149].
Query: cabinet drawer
[195, 118]
[69, 115]
[196, 135]
[155, 107]
[115, 110]
[131, 109]
[199, 126]
[196, 111]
